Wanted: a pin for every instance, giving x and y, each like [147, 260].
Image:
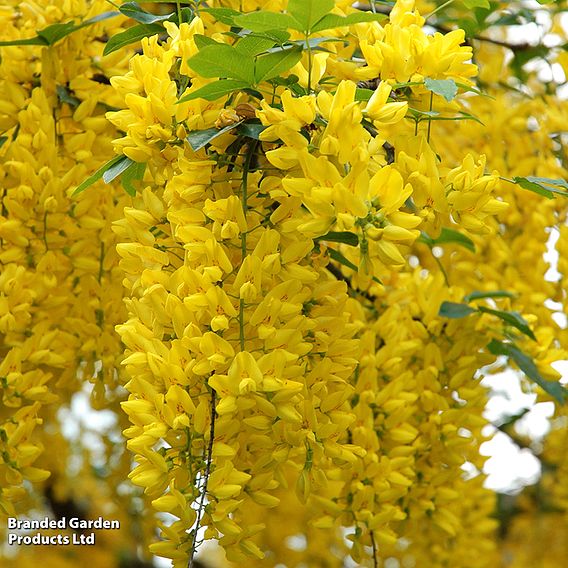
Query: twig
[375, 559]
[208, 460]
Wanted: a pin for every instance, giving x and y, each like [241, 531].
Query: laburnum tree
[279, 244]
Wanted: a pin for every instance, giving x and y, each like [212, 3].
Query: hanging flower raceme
[248, 361]
[58, 294]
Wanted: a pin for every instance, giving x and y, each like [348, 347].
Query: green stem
[244, 197]
[440, 7]
[178, 6]
[441, 267]
[309, 63]
[430, 118]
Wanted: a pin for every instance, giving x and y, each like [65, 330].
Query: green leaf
[254, 93]
[250, 130]
[534, 187]
[363, 94]
[308, 12]
[96, 176]
[528, 367]
[512, 318]
[423, 114]
[200, 138]
[202, 41]
[253, 44]
[262, 21]
[454, 310]
[117, 168]
[470, 89]
[136, 12]
[446, 88]
[28, 41]
[98, 18]
[56, 32]
[344, 237]
[291, 81]
[285, 81]
[448, 236]
[273, 64]
[53, 33]
[214, 91]
[315, 42]
[223, 61]
[134, 172]
[477, 4]
[131, 35]
[434, 116]
[546, 187]
[185, 15]
[278, 36]
[223, 15]
[396, 86]
[480, 295]
[338, 257]
[3, 140]
[549, 181]
[332, 21]
[465, 116]
[65, 96]
[512, 419]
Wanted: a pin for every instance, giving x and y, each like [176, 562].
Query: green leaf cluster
[529, 368]
[306, 16]
[121, 167]
[456, 310]
[263, 50]
[512, 318]
[249, 62]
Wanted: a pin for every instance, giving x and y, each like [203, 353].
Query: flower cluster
[60, 291]
[276, 291]
[252, 368]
